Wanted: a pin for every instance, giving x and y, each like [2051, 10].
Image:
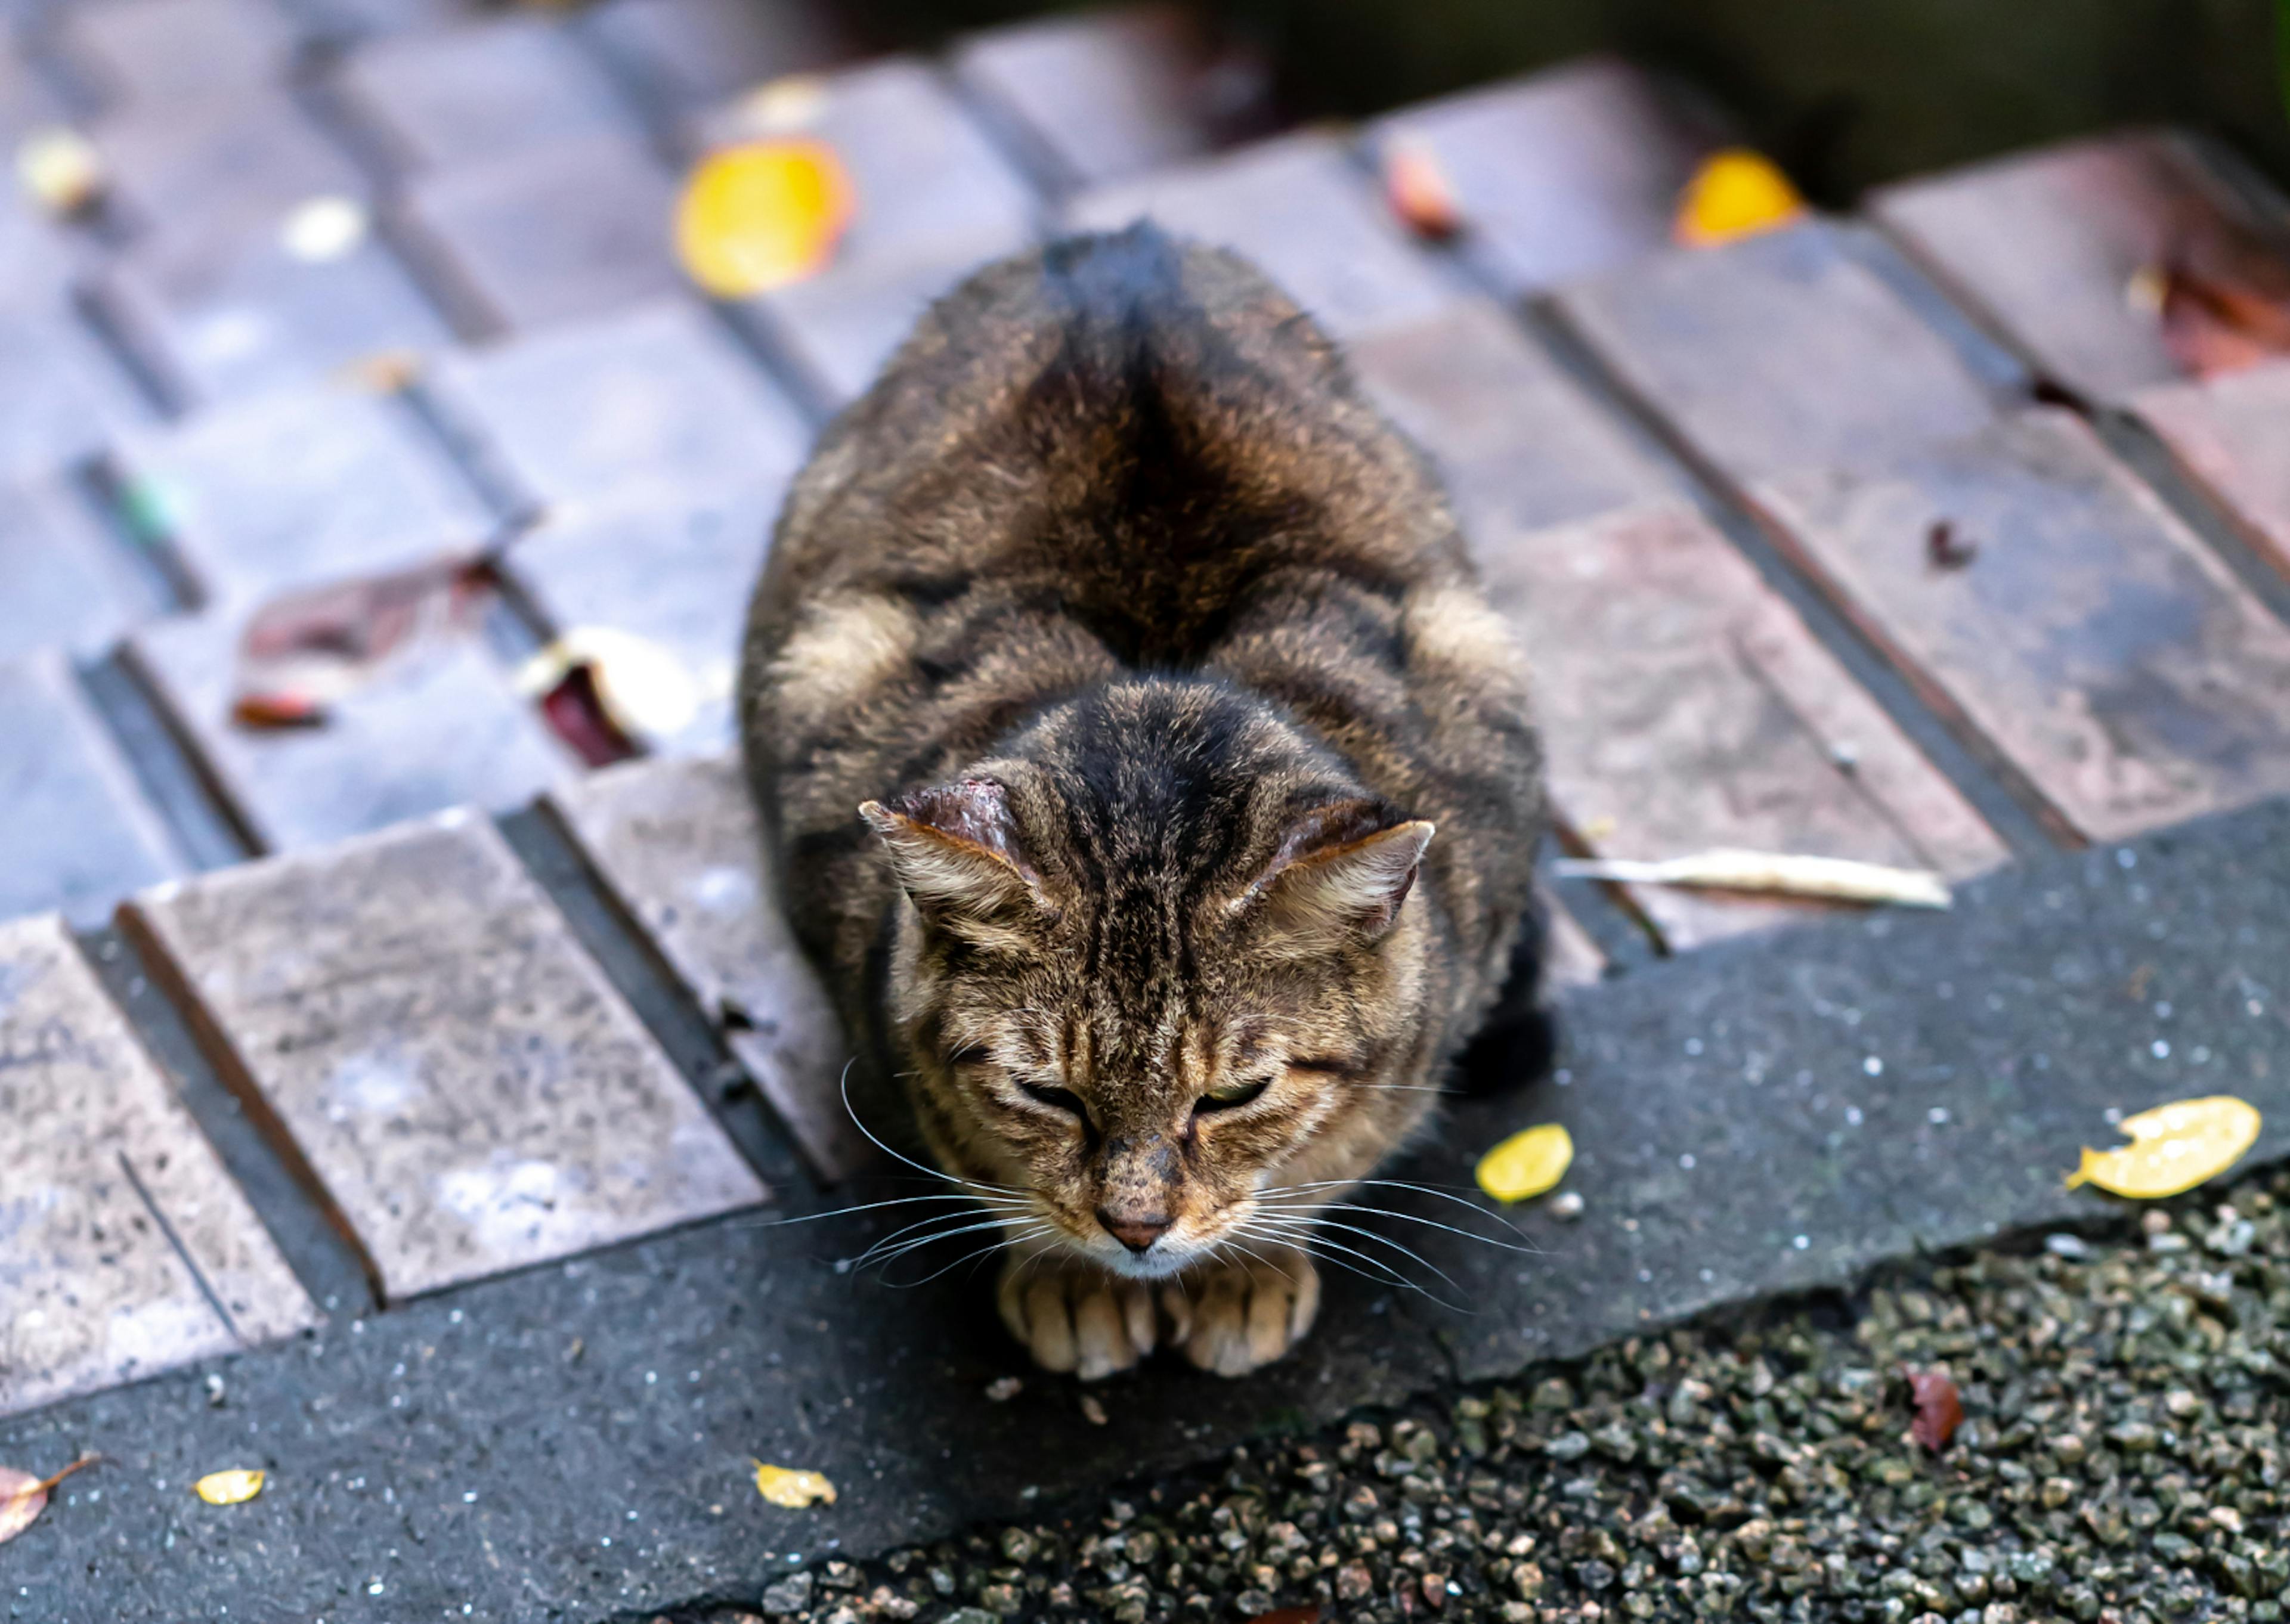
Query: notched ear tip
[955, 847]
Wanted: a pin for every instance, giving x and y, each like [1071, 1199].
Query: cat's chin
[1160, 1263]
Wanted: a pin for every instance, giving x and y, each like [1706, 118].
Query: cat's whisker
[1393, 1184]
[844, 1085]
[867, 1206]
[1256, 1256]
[880, 1255]
[985, 1250]
[1328, 1223]
[892, 1239]
[1385, 1274]
[1525, 1247]
[1307, 1236]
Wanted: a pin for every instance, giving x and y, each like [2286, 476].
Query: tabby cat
[1149, 777]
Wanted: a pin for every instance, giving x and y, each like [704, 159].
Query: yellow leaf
[761, 215]
[1526, 1163]
[1736, 193]
[2173, 1148]
[60, 169]
[784, 1485]
[228, 1488]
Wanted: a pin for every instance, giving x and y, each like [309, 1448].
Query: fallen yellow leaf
[784, 1485]
[1526, 1163]
[1736, 193]
[2173, 1148]
[760, 215]
[60, 169]
[230, 1488]
[1417, 187]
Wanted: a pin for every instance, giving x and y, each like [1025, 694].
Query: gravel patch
[2121, 1458]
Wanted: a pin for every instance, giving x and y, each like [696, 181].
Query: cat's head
[1164, 959]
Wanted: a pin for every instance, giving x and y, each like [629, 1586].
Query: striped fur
[1190, 757]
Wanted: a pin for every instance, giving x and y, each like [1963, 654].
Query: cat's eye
[969, 1054]
[1056, 1098]
[1230, 1095]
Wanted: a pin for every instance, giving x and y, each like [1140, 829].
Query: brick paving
[1704, 486]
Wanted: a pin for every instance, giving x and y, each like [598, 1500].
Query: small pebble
[1002, 1389]
[1566, 1206]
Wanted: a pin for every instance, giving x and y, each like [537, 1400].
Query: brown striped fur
[1115, 663]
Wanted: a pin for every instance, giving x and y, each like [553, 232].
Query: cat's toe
[1085, 1323]
[1236, 1319]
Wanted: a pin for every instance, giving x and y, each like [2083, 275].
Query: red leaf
[576, 712]
[1288, 1615]
[1939, 1412]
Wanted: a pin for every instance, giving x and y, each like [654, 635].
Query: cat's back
[1139, 422]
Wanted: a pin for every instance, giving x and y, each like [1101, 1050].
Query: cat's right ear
[954, 848]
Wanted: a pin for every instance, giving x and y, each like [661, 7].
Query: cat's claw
[1235, 1316]
[1080, 1319]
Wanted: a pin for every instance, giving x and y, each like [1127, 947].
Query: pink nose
[1137, 1234]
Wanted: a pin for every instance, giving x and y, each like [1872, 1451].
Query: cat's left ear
[1343, 869]
[956, 850]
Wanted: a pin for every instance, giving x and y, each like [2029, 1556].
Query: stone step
[414, 1024]
[1563, 175]
[75, 830]
[129, 1251]
[2046, 245]
[2232, 435]
[2093, 643]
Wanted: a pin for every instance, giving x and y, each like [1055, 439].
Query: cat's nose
[1137, 1234]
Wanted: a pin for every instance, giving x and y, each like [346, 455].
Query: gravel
[2127, 1404]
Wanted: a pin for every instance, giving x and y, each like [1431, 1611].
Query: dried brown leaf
[23, 1497]
[1289, 1615]
[1939, 1409]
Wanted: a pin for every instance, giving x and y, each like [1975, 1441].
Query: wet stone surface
[70, 586]
[2091, 637]
[2047, 244]
[437, 727]
[128, 1250]
[468, 1089]
[1779, 351]
[680, 55]
[76, 830]
[2233, 435]
[1684, 705]
[299, 488]
[1561, 175]
[1300, 209]
[659, 405]
[678, 844]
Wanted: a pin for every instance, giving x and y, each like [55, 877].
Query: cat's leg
[1238, 1314]
[1072, 1315]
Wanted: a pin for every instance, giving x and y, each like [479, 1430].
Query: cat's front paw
[1077, 1318]
[1234, 1317]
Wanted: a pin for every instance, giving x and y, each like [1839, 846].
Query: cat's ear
[1342, 871]
[954, 849]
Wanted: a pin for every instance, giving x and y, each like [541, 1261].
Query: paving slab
[680, 55]
[459, 1076]
[126, 1249]
[678, 844]
[440, 99]
[658, 404]
[436, 727]
[1570, 957]
[1779, 351]
[152, 53]
[1561, 175]
[1684, 705]
[67, 397]
[1518, 441]
[678, 575]
[26, 101]
[2092, 642]
[38, 257]
[69, 585]
[1104, 95]
[548, 235]
[300, 487]
[1303, 210]
[2045, 245]
[245, 160]
[650, 1376]
[2232, 435]
[235, 311]
[76, 830]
